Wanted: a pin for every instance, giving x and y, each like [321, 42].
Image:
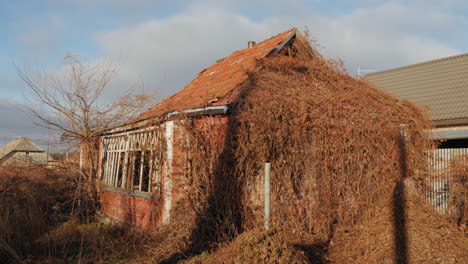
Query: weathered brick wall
[138, 211]
[216, 129]
[212, 127]
[99, 163]
[179, 165]
[144, 212]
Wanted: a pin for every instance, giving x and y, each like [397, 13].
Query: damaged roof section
[216, 84]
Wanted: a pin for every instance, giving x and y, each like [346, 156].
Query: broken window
[129, 161]
[145, 175]
[114, 158]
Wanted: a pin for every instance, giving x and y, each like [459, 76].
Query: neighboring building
[21, 152]
[439, 85]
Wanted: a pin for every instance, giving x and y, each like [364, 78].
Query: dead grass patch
[430, 237]
[255, 246]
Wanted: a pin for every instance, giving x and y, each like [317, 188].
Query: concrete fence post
[267, 195]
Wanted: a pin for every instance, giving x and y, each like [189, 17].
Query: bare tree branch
[74, 103]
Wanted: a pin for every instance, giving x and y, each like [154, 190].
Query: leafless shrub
[75, 108]
[37, 224]
[32, 199]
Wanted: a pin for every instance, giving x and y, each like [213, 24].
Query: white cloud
[382, 37]
[167, 53]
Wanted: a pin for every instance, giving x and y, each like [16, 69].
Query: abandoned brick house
[441, 86]
[144, 165]
[22, 151]
[130, 181]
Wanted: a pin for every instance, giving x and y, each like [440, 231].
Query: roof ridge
[418, 64]
[32, 142]
[228, 73]
[259, 43]
[14, 144]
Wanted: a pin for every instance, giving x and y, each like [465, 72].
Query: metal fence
[439, 176]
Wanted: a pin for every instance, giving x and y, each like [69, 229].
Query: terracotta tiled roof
[214, 85]
[441, 85]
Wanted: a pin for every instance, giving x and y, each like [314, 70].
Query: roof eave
[451, 122]
[195, 112]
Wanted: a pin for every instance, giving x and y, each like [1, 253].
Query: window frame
[118, 161]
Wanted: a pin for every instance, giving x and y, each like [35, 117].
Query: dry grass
[31, 200]
[40, 222]
[255, 246]
[72, 242]
[458, 168]
[430, 237]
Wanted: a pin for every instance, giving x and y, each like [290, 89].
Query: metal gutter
[209, 110]
[450, 132]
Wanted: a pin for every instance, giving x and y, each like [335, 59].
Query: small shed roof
[440, 85]
[215, 84]
[22, 144]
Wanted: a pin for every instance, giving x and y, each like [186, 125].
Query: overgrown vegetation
[78, 110]
[338, 148]
[458, 200]
[40, 221]
[347, 161]
[335, 144]
[429, 237]
[255, 246]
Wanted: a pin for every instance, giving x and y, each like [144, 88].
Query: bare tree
[75, 107]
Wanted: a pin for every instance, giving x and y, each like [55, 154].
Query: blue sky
[163, 44]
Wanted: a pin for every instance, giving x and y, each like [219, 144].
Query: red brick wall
[138, 211]
[179, 165]
[215, 129]
[143, 212]
[212, 127]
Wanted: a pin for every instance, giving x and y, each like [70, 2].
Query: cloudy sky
[164, 44]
